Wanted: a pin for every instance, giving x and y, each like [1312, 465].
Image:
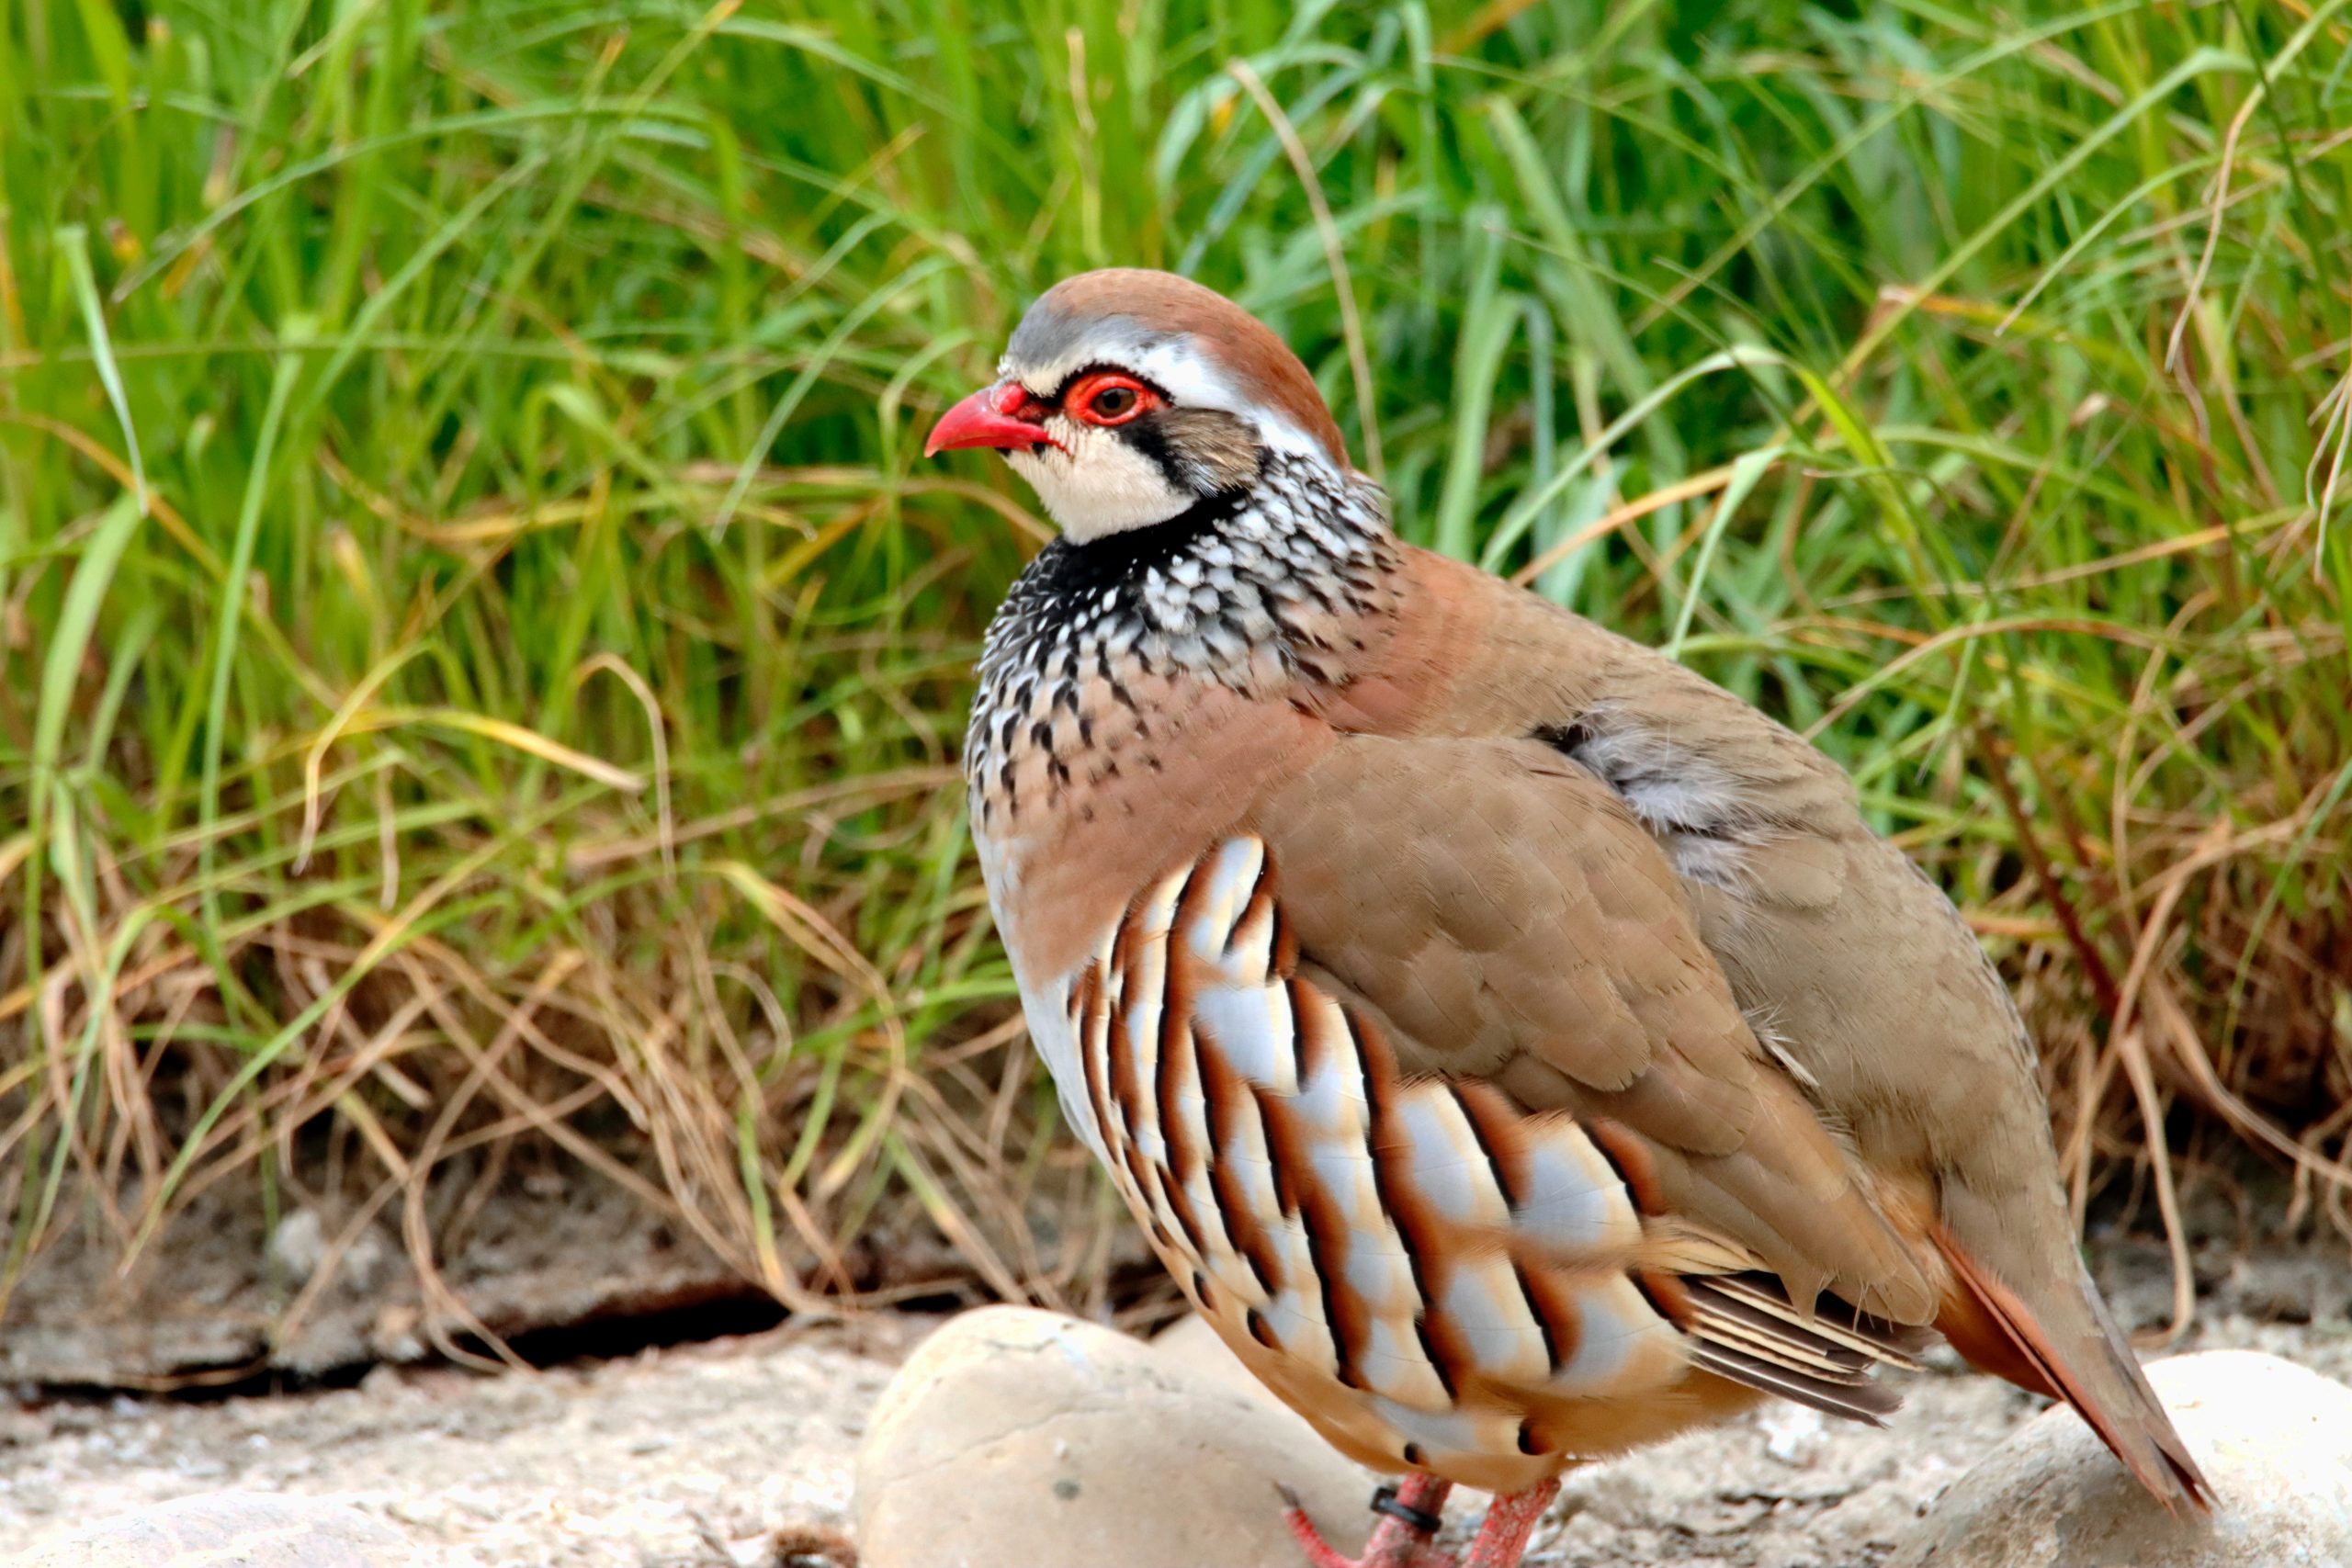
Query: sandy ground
[690, 1457]
[683, 1457]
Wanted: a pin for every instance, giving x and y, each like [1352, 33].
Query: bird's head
[1127, 398]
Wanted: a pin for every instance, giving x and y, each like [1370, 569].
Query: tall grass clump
[481, 659]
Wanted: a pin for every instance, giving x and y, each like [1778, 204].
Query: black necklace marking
[1069, 571]
[1206, 594]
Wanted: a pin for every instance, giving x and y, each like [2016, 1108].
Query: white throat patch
[1099, 485]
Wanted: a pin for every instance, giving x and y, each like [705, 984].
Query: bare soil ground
[683, 1457]
[692, 1457]
[216, 1296]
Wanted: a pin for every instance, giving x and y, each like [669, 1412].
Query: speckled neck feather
[1245, 591]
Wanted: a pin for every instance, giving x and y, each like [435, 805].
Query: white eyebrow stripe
[1191, 380]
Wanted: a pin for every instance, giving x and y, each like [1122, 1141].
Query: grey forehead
[1050, 338]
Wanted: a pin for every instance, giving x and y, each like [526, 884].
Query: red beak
[987, 418]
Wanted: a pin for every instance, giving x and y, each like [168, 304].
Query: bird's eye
[1109, 399]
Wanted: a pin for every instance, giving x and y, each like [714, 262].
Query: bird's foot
[1502, 1539]
[1405, 1536]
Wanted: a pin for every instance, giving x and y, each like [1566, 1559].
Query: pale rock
[1191, 1345]
[2273, 1439]
[300, 1246]
[1020, 1439]
[751, 1552]
[1793, 1434]
[251, 1529]
[383, 1381]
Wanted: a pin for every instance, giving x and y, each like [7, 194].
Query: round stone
[2273, 1438]
[1020, 1439]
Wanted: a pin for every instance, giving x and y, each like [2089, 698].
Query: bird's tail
[2067, 1347]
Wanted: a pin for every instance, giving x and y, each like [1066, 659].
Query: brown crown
[1260, 364]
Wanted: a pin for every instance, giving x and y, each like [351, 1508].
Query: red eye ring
[1109, 398]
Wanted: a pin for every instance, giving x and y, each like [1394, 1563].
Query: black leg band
[1385, 1501]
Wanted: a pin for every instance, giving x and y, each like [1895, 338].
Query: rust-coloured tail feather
[1986, 1323]
[1983, 1337]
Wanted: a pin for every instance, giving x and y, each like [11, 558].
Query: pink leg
[1502, 1539]
[1395, 1542]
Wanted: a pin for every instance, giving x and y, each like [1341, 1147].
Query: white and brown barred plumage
[1519, 1048]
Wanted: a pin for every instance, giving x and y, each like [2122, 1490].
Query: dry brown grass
[520, 725]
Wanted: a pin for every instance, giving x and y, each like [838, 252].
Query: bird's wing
[1859, 975]
[1504, 917]
[1441, 1271]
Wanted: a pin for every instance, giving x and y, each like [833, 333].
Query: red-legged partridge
[1519, 1048]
